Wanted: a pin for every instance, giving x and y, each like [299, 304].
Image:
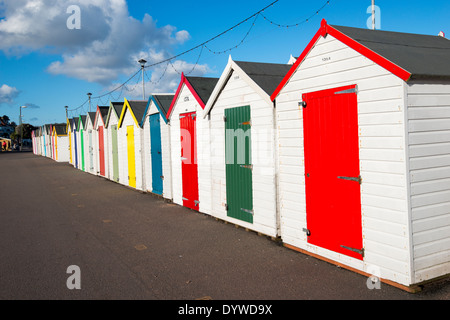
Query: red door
[332, 174]
[189, 160]
[101, 150]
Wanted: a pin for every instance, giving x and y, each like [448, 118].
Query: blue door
[155, 137]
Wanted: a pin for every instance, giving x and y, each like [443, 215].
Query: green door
[239, 167]
[82, 150]
[115, 153]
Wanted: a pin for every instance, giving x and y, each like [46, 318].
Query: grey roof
[423, 56]
[266, 75]
[74, 123]
[92, 117]
[83, 120]
[164, 102]
[60, 129]
[203, 86]
[138, 108]
[103, 112]
[117, 107]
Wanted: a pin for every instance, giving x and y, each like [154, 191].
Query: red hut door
[101, 151]
[332, 174]
[189, 160]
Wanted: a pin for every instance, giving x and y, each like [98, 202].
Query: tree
[5, 120]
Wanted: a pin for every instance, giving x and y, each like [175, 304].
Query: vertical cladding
[429, 159]
[239, 163]
[238, 91]
[114, 153]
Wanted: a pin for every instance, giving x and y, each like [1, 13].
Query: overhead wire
[203, 46]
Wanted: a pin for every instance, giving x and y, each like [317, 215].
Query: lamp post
[21, 127]
[373, 15]
[143, 62]
[89, 95]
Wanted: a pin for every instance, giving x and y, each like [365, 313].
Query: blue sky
[47, 66]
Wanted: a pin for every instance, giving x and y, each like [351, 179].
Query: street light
[143, 62]
[21, 127]
[89, 95]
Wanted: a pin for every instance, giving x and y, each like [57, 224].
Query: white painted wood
[429, 147]
[185, 103]
[384, 192]
[128, 120]
[165, 150]
[236, 89]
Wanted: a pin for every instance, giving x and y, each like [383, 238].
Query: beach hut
[35, 141]
[48, 140]
[111, 123]
[157, 152]
[74, 153]
[100, 141]
[81, 142]
[242, 144]
[364, 153]
[69, 134]
[89, 144]
[130, 140]
[190, 174]
[60, 143]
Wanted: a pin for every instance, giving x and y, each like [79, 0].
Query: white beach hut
[157, 151]
[100, 142]
[112, 145]
[241, 135]
[130, 139]
[61, 152]
[190, 163]
[364, 153]
[89, 144]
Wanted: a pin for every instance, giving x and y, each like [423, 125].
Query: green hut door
[239, 167]
[115, 153]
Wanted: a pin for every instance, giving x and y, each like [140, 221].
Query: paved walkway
[131, 245]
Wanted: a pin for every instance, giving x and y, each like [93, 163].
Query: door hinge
[307, 231]
[356, 179]
[353, 90]
[248, 211]
[302, 104]
[359, 251]
[224, 118]
[162, 177]
[226, 207]
[196, 202]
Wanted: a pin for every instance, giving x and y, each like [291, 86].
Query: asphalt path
[130, 245]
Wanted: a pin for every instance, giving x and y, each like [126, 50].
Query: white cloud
[8, 94]
[106, 47]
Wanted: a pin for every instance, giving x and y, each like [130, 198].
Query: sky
[54, 52]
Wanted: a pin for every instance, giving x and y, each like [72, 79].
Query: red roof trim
[321, 32]
[185, 81]
[372, 55]
[327, 29]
